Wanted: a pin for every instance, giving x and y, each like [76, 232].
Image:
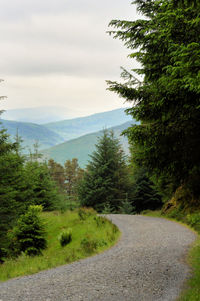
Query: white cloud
[59, 51]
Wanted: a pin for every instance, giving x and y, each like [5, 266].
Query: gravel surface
[146, 264]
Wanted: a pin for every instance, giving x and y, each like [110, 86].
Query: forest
[163, 169]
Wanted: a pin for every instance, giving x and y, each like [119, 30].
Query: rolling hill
[83, 146]
[74, 128]
[30, 133]
[56, 133]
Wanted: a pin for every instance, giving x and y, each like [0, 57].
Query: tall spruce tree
[11, 180]
[144, 194]
[39, 188]
[105, 181]
[11, 186]
[166, 44]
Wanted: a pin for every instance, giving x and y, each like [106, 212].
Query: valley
[68, 138]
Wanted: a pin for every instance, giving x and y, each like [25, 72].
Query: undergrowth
[89, 234]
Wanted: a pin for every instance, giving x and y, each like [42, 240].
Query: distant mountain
[30, 133]
[69, 129]
[40, 115]
[83, 146]
[52, 134]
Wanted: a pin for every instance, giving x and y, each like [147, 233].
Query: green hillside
[83, 146]
[31, 132]
[73, 128]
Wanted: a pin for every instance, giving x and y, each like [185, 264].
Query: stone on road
[148, 263]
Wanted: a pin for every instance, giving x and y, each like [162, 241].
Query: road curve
[146, 264]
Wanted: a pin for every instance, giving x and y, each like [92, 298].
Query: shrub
[89, 244]
[65, 237]
[84, 213]
[107, 208]
[3, 254]
[100, 221]
[176, 213]
[102, 243]
[126, 207]
[194, 220]
[29, 234]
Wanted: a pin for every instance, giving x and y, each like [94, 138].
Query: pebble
[145, 265]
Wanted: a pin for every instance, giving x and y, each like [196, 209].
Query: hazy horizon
[46, 114]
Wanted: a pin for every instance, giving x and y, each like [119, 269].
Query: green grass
[90, 235]
[192, 286]
[192, 292]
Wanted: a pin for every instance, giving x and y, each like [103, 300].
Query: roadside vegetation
[89, 234]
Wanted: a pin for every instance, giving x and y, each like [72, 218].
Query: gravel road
[148, 263]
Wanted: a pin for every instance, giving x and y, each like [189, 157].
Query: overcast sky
[57, 52]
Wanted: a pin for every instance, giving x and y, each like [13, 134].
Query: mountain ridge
[76, 127]
[83, 146]
[57, 133]
[30, 133]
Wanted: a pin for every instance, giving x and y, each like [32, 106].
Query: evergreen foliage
[65, 237]
[166, 44]
[127, 207]
[28, 235]
[185, 3]
[21, 184]
[39, 188]
[81, 147]
[105, 180]
[145, 195]
[11, 186]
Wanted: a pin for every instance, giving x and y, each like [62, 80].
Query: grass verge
[91, 234]
[192, 287]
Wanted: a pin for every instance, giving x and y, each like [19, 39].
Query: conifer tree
[105, 181]
[166, 101]
[39, 188]
[29, 235]
[11, 185]
[144, 195]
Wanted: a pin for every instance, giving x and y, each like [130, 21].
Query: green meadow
[91, 235]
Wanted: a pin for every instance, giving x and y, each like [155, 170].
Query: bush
[126, 207]
[194, 220]
[89, 244]
[29, 234]
[100, 221]
[68, 203]
[65, 237]
[84, 213]
[176, 213]
[107, 208]
[3, 254]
